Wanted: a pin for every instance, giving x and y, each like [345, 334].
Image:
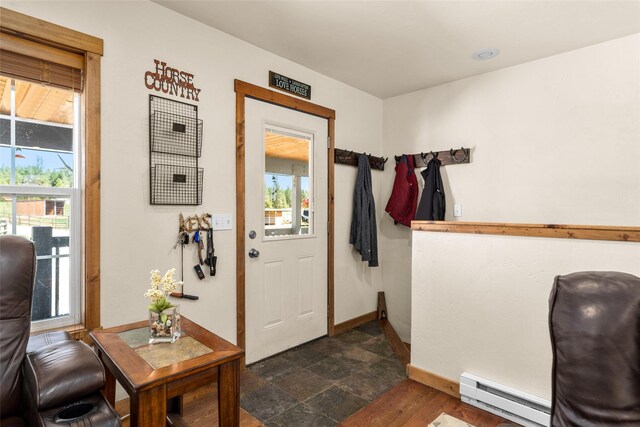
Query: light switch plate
[222, 222]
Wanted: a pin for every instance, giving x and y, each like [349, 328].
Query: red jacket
[404, 196]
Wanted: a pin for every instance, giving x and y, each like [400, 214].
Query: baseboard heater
[514, 405]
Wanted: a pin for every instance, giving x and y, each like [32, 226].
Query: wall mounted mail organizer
[175, 145]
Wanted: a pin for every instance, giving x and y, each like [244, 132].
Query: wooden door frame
[247, 90]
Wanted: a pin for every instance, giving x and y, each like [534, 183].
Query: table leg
[175, 405]
[229, 394]
[149, 407]
[109, 389]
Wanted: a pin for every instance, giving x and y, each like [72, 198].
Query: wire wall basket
[173, 134]
[175, 145]
[176, 185]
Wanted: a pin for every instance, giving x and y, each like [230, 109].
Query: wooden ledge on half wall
[612, 233]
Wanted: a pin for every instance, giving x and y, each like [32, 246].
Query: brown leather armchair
[594, 322]
[48, 379]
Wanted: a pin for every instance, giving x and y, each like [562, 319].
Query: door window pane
[287, 190]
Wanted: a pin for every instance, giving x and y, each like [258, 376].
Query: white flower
[154, 294]
[161, 286]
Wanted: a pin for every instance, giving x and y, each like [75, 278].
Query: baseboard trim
[355, 322]
[400, 350]
[430, 379]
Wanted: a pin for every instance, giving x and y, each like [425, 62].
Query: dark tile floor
[323, 382]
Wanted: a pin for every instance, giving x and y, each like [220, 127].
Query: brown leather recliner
[594, 322]
[48, 379]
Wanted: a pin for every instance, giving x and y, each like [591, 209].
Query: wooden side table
[157, 375]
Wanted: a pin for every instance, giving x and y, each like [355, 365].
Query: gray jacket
[364, 233]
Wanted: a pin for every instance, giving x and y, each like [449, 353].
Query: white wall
[556, 140]
[480, 302]
[137, 237]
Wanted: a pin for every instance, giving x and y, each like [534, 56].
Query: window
[48, 57]
[287, 193]
[54, 207]
[40, 177]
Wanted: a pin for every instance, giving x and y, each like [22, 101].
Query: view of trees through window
[278, 196]
[281, 217]
[54, 174]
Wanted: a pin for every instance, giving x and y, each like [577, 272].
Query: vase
[165, 325]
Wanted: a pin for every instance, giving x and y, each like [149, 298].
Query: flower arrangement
[164, 325]
[160, 289]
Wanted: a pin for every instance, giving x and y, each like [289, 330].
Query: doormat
[445, 420]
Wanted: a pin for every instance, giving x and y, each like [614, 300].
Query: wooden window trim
[48, 33]
[90, 48]
[559, 231]
[37, 50]
[247, 90]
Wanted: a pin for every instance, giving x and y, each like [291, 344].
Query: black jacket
[432, 204]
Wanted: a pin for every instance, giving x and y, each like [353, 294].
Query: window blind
[16, 65]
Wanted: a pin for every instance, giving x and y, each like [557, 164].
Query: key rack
[175, 145]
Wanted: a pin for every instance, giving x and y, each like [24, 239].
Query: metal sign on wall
[278, 81]
[171, 81]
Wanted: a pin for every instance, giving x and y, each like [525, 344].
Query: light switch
[222, 222]
[457, 210]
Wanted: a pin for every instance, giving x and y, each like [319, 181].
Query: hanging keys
[183, 239]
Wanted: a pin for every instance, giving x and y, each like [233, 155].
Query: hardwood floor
[413, 404]
[407, 404]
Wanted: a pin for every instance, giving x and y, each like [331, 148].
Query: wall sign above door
[171, 81]
[278, 81]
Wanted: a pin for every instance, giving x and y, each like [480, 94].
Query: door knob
[253, 253]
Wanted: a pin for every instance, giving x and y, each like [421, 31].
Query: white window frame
[75, 222]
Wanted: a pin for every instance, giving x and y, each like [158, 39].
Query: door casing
[244, 90]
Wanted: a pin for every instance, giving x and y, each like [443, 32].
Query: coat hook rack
[451, 157]
[350, 157]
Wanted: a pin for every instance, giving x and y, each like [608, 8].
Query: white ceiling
[388, 48]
